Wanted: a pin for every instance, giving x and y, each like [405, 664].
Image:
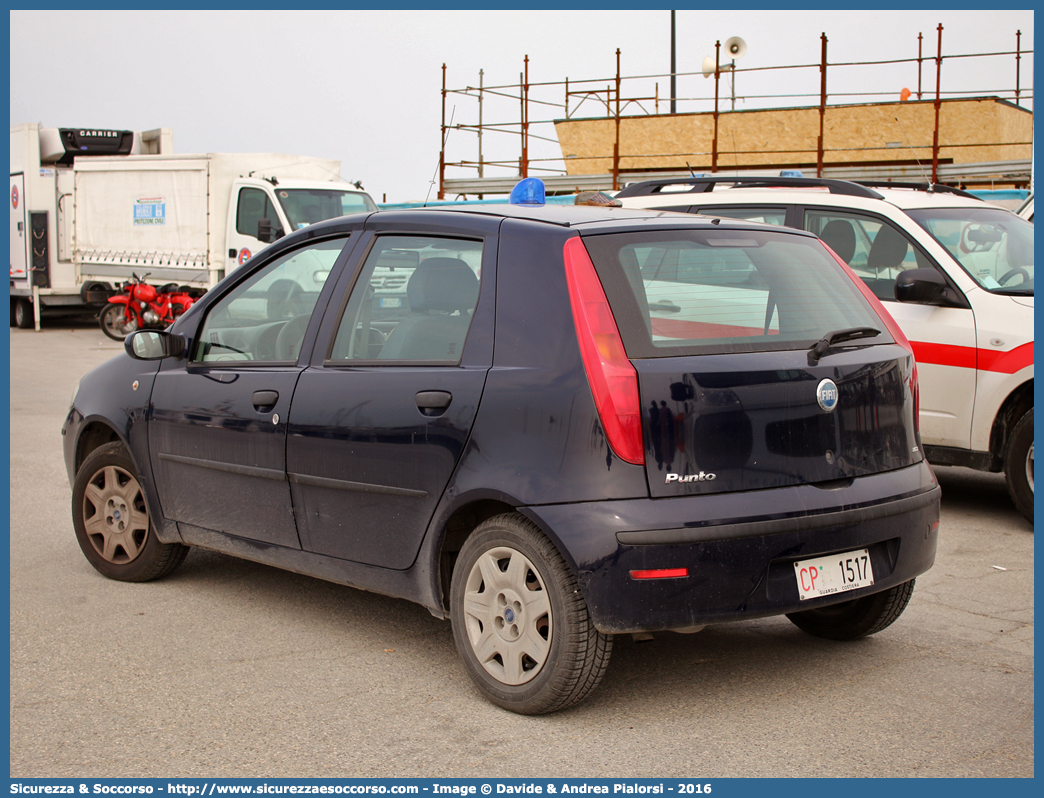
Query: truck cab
[264, 211]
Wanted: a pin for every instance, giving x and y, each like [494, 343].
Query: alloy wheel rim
[507, 615]
[115, 517]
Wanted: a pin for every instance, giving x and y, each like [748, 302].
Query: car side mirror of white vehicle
[154, 345]
[922, 286]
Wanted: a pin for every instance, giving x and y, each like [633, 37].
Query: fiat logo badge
[827, 395]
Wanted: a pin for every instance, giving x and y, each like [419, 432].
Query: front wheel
[112, 523]
[1018, 465]
[115, 322]
[519, 620]
[856, 618]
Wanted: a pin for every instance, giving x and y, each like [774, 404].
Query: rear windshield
[683, 292]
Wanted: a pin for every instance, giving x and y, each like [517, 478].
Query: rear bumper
[739, 549]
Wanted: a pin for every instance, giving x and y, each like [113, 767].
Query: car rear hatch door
[760, 361]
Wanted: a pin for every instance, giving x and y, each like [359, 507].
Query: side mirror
[267, 232]
[154, 345]
[922, 286]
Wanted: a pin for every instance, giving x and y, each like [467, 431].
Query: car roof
[583, 218]
[798, 191]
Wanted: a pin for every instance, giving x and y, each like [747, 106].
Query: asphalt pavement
[232, 669]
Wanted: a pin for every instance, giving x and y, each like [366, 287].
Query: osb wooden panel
[970, 131]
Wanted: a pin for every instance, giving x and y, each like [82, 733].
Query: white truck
[89, 208]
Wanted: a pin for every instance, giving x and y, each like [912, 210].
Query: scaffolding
[622, 97]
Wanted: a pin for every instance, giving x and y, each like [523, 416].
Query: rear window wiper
[839, 337]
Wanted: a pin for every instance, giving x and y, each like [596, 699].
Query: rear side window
[412, 302]
[776, 216]
[702, 292]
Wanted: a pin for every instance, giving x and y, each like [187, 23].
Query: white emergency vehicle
[954, 271]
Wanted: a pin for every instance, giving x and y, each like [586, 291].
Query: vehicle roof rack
[931, 188]
[703, 184]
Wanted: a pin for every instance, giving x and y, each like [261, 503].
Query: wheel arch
[1018, 402]
[94, 434]
[463, 521]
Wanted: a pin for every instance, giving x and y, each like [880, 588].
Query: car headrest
[840, 237]
[442, 284]
[888, 250]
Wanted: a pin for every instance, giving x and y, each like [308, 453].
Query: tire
[860, 617]
[113, 323]
[527, 641]
[112, 523]
[1018, 465]
[22, 314]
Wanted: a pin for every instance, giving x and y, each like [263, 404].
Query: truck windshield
[305, 206]
[993, 246]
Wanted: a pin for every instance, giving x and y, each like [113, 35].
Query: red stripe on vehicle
[968, 357]
[678, 328]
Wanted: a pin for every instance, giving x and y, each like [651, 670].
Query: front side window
[255, 205]
[993, 246]
[876, 250]
[412, 302]
[263, 319]
[705, 292]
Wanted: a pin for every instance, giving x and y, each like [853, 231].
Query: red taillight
[612, 378]
[893, 329]
[661, 573]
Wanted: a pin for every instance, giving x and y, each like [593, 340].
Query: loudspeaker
[735, 47]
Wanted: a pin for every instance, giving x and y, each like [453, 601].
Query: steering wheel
[1018, 270]
[288, 344]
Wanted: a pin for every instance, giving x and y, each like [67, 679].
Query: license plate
[391, 302]
[837, 573]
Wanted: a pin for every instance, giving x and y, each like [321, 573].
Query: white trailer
[89, 208]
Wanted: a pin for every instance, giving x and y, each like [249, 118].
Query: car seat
[442, 293]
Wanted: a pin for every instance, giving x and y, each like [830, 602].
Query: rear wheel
[112, 520]
[22, 314]
[519, 620]
[1018, 465]
[114, 323]
[857, 618]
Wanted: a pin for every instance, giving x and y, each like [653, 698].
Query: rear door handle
[264, 399]
[433, 403]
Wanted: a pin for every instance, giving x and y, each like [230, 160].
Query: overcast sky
[363, 87]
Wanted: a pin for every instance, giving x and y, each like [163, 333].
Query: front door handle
[433, 403]
[264, 400]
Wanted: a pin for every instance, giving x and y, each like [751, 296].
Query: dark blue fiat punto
[548, 424]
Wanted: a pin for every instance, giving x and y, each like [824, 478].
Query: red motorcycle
[141, 305]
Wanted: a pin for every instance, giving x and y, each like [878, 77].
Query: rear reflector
[612, 378]
[661, 573]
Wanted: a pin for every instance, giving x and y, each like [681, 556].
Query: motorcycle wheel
[114, 324]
